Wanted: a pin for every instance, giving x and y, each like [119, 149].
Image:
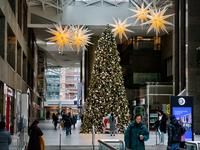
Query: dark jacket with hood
[132, 136]
[175, 131]
[68, 121]
[162, 123]
[34, 141]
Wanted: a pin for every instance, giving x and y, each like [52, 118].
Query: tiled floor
[51, 136]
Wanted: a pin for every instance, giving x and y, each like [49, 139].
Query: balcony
[72, 81]
[71, 90]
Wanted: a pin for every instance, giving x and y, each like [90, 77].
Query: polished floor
[51, 137]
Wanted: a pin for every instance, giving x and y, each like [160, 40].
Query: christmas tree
[106, 91]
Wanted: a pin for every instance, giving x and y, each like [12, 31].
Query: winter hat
[35, 122]
[172, 117]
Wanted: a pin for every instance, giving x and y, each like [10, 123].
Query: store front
[9, 108]
[152, 97]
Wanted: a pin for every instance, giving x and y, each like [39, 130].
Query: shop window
[139, 78]
[12, 5]
[24, 67]
[169, 67]
[19, 56]
[2, 35]
[20, 13]
[11, 42]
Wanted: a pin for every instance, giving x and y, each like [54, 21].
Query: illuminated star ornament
[80, 38]
[120, 28]
[62, 36]
[140, 13]
[157, 20]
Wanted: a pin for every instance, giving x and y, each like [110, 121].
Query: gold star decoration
[62, 37]
[157, 20]
[80, 38]
[140, 13]
[120, 28]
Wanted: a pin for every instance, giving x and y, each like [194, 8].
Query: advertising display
[182, 108]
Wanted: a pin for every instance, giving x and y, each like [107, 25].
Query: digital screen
[184, 117]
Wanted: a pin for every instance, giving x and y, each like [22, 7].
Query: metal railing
[60, 137]
[93, 136]
[22, 139]
[111, 145]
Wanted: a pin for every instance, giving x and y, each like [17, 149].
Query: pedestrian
[161, 123]
[136, 134]
[67, 124]
[34, 133]
[74, 120]
[48, 114]
[82, 116]
[175, 131]
[71, 120]
[55, 120]
[5, 138]
[112, 124]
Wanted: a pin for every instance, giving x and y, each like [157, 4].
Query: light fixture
[120, 28]
[80, 38]
[140, 13]
[62, 36]
[157, 20]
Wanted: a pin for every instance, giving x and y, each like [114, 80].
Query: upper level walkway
[83, 141]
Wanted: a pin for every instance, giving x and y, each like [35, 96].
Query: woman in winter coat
[112, 124]
[162, 118]
[34, 132]
[5, 138]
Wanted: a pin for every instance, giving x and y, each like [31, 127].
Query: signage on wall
[9, 91]
[168, 109]
[142, 101]
[182, 108]
[134, 103]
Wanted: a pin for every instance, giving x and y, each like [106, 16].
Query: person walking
[34, 133]
[136, 134]
[48, 115]
[67, 124]
[161, 123]
[175, 131]
[55, 120]
[112, 124]
[74, 120]
[5, 137]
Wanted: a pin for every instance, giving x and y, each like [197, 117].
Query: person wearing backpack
[175, 131]
[136, 134]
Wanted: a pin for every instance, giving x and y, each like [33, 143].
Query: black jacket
[162, 123]
[68, 121]
[175, 131]
[34, 141]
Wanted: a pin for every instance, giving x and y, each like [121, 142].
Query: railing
[22, 139]
[111, 145]
[60, 137]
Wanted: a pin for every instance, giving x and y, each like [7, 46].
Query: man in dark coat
[34, 132]
[136, 134]
[67, 123]
[175, 131]
[162, 118]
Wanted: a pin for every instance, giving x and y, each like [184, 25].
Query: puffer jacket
[5, 139]
[175, 131]
[132, 136]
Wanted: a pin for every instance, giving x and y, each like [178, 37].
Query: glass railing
[111, 145]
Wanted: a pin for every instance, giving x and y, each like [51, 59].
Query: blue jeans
[174, 146]
[162, 135]
[68, 129]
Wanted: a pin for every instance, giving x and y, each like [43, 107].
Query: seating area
[106, 127]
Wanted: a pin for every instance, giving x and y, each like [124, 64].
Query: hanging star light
[157, 20]
[62, 37]
[80, 38]
[140, 13]
[120, 28]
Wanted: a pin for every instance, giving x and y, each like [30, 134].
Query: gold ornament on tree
[120, 28]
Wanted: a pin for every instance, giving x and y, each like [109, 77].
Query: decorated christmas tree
[106, 91]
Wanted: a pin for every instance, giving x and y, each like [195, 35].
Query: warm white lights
[140, 13]
[120, 28]
[69, 36]
[157, 20]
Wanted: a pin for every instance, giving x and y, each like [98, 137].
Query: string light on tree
[140, 13]
[157, 20]
[120, 28]
[62, 37]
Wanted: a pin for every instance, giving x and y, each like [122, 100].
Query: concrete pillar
[192, 69]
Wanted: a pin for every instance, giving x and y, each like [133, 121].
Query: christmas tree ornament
[120, 28]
